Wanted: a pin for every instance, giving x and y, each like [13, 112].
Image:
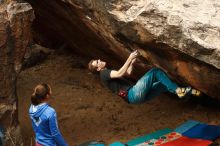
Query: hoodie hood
[36, 111]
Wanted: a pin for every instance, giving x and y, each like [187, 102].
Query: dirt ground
[88, 111]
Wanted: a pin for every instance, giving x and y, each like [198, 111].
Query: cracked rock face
[15, 36]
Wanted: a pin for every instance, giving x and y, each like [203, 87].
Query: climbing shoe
[195, 92]
[182, 92]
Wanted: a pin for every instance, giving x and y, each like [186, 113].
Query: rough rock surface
[182, 37]
[15, 35]
[192, 27]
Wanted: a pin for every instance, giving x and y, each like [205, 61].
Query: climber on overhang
[153, 83]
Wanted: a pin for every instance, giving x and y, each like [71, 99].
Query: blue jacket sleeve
[55, 130]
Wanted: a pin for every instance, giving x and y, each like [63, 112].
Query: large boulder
[182, 37]
[189, 26]
[15, 36]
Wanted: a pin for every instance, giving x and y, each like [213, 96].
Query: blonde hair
[91, 67]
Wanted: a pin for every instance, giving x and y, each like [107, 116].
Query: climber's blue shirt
[45, 126]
